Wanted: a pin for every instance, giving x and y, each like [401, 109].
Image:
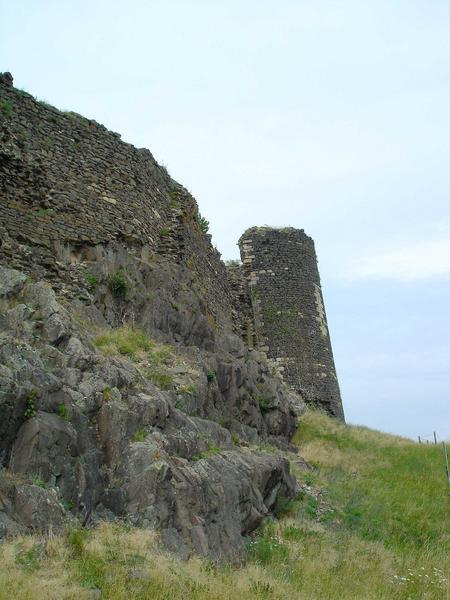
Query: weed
[189, 389]
[118, 285]
[284, 506]
[210, 375]
[37, 480]
[236, 439]
[262, 589]
[30, 404]
[311, 507]
[107, 394]
[67, 504]
[162, 380]
[212, 450]
[91, 280]
[139, 435]
[64, 412]
[291, 532]
[77, 539]
[164, 232]
[42, 212]
[6, 107]
[267, 549]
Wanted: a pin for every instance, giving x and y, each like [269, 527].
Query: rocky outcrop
[86, 436]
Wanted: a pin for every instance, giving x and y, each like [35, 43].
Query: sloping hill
[370, 522]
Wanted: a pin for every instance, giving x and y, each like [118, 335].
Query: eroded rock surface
[89, 436]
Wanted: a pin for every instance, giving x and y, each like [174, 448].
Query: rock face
[86, 436]
[134, 381]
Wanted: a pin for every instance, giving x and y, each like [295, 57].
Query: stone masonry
[290, 325]
[71, 190]
[73, 193]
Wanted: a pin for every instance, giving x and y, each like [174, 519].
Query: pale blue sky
[332, 116]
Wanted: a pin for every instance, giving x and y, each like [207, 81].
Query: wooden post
[419, 440]
[446, 465]
[435, 438]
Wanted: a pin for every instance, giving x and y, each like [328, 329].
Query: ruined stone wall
[280, 268]
[68, 186]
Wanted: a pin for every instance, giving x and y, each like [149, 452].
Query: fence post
[435, 438]
[419, 440]
[446, 465]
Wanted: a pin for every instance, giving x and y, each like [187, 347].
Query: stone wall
[73, 194]
[68, 186]
[280, 268]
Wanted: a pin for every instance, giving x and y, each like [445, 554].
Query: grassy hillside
[371, 522]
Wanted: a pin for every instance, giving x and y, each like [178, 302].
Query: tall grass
[371, 523]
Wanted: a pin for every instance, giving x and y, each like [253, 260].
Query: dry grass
[378, 532]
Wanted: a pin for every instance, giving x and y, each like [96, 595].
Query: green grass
[151, 358]
[385, 489]
[370, 523]
[129, 342]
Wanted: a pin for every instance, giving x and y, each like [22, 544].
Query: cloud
[419, 260]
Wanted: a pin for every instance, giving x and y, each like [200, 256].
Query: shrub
[264, 403]
[210, 375]
[91, 280]
[30, 405]
[164, 231]
[204, 224]
[118, 285]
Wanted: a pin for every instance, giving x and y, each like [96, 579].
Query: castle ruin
[74, 195]
[289, 320]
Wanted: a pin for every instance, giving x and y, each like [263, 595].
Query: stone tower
[290, 325]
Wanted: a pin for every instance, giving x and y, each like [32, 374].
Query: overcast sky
[332, 116]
